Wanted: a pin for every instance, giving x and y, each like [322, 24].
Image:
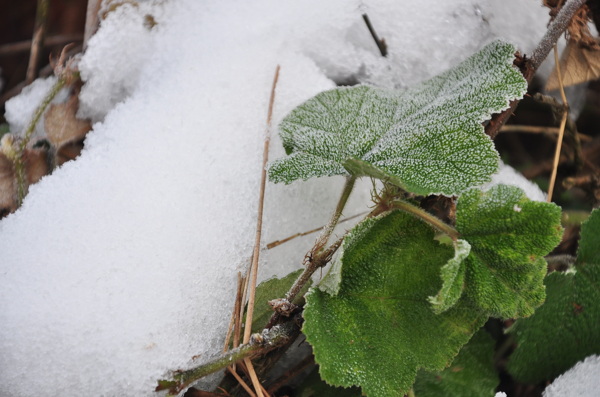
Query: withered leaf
[62, 126]
[577, 65]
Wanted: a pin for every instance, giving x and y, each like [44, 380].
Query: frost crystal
[427, 139]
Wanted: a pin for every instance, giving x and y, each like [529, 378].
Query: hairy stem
[318, 257]
[19, 161]
[554, 31]
[531, 65]
[425, 216]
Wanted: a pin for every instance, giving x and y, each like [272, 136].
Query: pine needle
[241, 381]
[261, 200]
[561, 130]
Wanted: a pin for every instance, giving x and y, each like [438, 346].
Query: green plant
[398, 309]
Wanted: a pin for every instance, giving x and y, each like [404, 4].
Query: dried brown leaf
[62, 126]
[577, 65]
[578, 29]
[8, 186]
[36, 165]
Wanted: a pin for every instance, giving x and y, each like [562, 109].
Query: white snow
[582, 380]
[507, 175]
[122, 264]
[20, 109]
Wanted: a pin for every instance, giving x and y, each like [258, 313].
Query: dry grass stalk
[561, 131]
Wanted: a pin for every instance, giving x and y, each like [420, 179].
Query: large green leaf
[426, 139]
[565, 329]
[377, 328]
[509, 235]
[472, 373]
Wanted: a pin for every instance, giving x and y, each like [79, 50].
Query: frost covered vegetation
[121, 270]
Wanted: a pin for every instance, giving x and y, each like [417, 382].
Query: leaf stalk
[318, 257]
[428, 218]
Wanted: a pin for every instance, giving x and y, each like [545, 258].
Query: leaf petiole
[426, 217]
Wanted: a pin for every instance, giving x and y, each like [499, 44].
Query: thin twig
[554, 31]
[238, 322]
[561, 130]
[261, 200]
[91, 20]
[538, 129]
[315, 260]
[44, 72]
[270, 339]
[234, 312]
[255, 382]
[380, 42]
[22, 46]
[256, 252]
[37, 41]
[277, 243]
[241, 381]
[530, 66]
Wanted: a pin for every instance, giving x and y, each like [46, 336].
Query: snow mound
[122, 264]
[582, 380]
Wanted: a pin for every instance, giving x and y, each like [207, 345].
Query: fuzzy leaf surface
[564, 330]
[379, 329]
[453, 278]
[509, 235]
[426, 139]
[471, 374]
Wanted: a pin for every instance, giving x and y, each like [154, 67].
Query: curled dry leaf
[8, 186]
[36, 166]
[64, 130]
[578, 29]
[577, 65]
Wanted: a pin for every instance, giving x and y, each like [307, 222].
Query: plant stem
[261, 202]
[554, 31]
[37, 41]
[318, 257]
[561, 130]
[531, 65]
[272, 339]
[425, 216]
[91, 20]
[19, 162]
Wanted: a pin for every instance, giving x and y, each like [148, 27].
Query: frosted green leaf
[471, 374]
[270, 289]
[564, 330]
[379, 329]
[426, 139]
[509, 236]
[453, 276]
